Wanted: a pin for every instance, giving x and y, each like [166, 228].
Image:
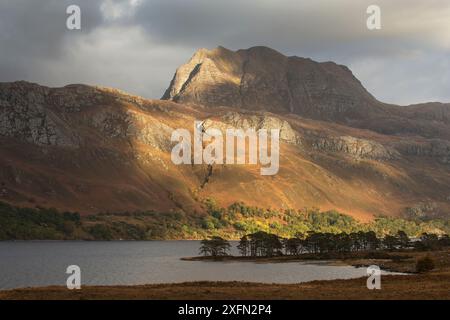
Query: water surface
[43, 263]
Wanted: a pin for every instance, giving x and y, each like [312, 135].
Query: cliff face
[263, 79]
[24, 116]
[50, 116]
[94, 149]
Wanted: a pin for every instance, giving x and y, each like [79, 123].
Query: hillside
[92, 149]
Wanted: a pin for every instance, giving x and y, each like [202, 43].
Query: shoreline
[431, 286]
[358, 263]
[391, 261]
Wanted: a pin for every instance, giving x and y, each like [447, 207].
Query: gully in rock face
[213, 152]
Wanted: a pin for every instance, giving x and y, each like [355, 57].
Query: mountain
[93, 149]
[261, 78]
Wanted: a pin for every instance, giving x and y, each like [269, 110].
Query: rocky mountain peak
[260, 78]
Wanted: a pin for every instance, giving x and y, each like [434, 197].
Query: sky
[136, 45]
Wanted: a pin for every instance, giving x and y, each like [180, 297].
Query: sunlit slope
[94, 150]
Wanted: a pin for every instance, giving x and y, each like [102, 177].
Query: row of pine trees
[263, 244]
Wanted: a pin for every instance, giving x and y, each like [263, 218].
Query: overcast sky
[136, 45]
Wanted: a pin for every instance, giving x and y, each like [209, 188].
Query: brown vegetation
[429, 286]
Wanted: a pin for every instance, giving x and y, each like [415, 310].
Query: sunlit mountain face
[94, 149]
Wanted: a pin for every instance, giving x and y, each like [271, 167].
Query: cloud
[136, 45]
[120, 57]
[406, 80]
[119, 9]
[33, 32]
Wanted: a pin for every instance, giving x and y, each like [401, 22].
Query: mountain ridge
[93, 149]
[280, 84]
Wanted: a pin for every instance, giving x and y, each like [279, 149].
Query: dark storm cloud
[33, 31]
[136, 45]
[294, 27]
[286, 25]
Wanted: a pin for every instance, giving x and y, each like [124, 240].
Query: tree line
[239, 219]
[263, 244]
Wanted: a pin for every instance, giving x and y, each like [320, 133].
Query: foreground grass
[431, 286]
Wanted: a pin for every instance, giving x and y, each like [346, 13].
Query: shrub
[100, 232]
[424, 264]
[208, 223]
[240, 226]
